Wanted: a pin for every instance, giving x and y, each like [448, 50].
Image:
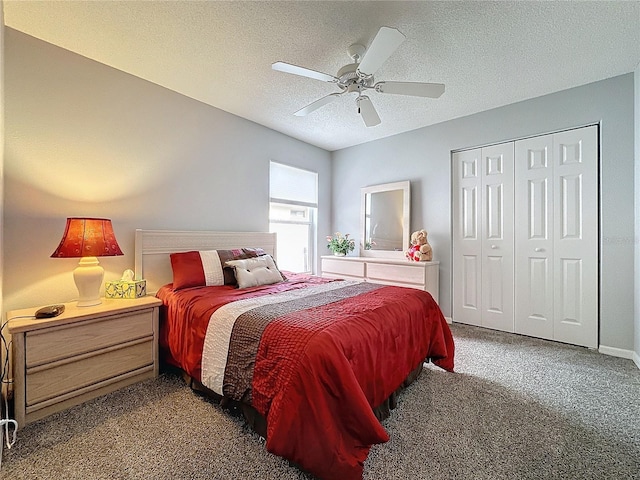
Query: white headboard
[153, 248]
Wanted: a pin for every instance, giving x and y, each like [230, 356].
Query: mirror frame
[406, 216]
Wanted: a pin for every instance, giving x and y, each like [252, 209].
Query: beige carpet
[518, 408]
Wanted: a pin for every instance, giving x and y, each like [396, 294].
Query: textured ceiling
[487, 53]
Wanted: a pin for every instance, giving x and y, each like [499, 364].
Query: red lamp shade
[88, 237]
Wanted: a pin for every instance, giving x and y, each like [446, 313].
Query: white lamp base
[88, 276]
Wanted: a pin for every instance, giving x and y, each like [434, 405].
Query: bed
[314, 364]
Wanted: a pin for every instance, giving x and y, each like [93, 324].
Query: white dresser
[404, 273]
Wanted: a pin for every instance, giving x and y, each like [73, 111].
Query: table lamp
[87, 239]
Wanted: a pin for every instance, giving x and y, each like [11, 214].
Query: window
[292, 215]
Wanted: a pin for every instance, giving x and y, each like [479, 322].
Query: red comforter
[319, 371]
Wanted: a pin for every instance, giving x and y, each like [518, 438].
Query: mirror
[384, 220]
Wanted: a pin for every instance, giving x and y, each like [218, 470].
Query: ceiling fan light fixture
[355, 88]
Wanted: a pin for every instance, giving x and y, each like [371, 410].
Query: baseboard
[449, 320]
[636, 359]
[617, 352]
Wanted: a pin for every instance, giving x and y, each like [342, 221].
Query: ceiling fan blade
[368, 111]
[384, 44]
[416, 89]
[317, 104]
[304, 72]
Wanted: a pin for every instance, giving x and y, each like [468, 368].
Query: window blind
[293, 186]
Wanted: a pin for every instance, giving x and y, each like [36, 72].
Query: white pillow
[252, 272]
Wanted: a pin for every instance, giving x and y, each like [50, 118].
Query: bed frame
[152, 262]
[153, 247]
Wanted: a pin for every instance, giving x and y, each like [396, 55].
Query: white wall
[2, 317]
[86, 139]
[423, 156]
[636, 242]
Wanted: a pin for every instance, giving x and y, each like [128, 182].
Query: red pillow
[187, 270]
[206, 267]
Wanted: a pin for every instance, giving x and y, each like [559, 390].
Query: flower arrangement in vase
[340, 244]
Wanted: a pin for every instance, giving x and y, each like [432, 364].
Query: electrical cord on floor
[5, 421]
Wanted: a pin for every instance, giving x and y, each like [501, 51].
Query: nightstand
[81, 354]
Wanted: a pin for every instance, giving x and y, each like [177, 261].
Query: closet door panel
[533, 237]
[471, 293]
[576, 237]
[497, 236]
[467, 292]
[526, 236]
[569, 310]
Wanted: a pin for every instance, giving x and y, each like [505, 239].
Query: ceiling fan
[357, 77]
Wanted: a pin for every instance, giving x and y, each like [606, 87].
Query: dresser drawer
[56, 343]
[49, 381]
[342, 267]
[396, 273]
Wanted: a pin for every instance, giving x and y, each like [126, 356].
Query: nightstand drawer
[49, 381]
[57, 343]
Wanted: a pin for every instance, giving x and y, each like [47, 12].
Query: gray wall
[637, 213]
[86, 139]
[423, 156]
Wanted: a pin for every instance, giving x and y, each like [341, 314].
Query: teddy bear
[420, 250]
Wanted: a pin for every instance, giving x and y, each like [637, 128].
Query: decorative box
[125, 289]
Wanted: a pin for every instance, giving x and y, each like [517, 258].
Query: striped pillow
[206, 267]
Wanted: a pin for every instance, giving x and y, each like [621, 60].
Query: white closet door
[557, 249]
[467, 245]
[576, 236]
[525, 237]
[534, 237]
[497, 237]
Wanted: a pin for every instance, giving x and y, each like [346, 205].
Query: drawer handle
[494, 247]
[539, 249]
